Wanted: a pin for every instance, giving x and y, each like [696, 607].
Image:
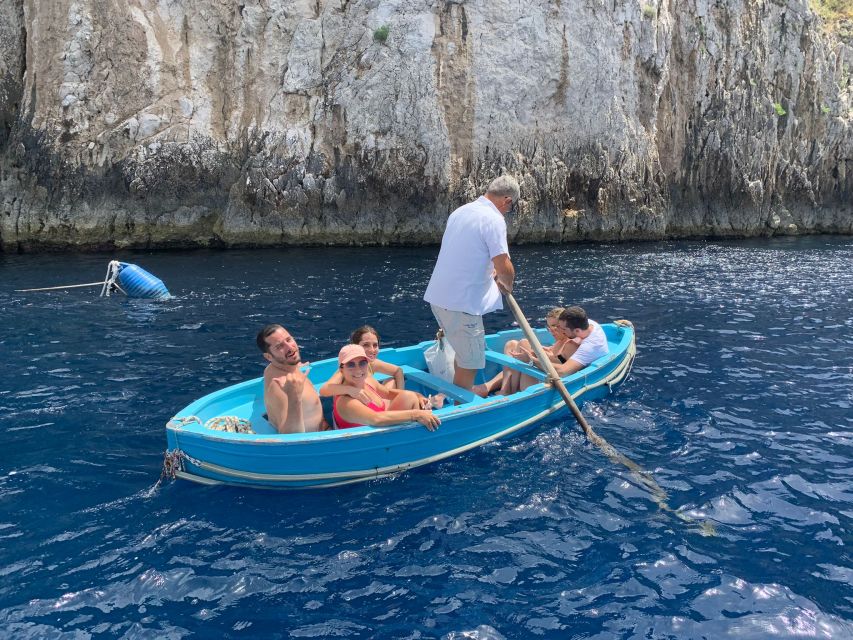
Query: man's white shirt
[463, 277]
[593, 346]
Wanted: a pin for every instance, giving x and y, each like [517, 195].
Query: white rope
[107, 285]
[113, 269]
[632, 352]
[176, 422]
[64, 286]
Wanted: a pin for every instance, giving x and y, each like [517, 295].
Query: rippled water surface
[739, 403]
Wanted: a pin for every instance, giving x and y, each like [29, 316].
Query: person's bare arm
[554, 350]
[283, 397]
[335, 386]
[354, 411]
[391, 370]
[565, 369]
[504, 272]
[523, 352]
[393, 393]
[568, 367]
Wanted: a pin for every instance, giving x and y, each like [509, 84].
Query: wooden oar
[644, 478]
[551, 371]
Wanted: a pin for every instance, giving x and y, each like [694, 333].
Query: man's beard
[288, 361]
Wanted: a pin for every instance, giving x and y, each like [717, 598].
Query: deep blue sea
[739, 404]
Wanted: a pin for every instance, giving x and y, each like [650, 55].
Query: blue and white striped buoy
[138, 283]
[128, 278]
[135, 281]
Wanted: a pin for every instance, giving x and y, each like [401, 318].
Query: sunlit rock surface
[213, 123]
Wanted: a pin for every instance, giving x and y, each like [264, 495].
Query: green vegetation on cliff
[837, 16]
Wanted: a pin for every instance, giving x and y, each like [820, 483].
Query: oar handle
[549, 367]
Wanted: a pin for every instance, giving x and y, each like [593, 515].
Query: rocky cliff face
[207, 122]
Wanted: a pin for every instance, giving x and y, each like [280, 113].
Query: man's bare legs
[464, 377]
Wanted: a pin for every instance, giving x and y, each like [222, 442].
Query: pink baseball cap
[351, 352]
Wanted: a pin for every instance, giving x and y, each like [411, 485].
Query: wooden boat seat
[434, 382]
[508, 361]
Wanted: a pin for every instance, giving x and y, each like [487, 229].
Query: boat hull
[345, 456]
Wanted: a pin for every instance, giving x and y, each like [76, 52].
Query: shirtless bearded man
[291, 401]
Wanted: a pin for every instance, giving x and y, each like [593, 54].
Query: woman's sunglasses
[352, 364]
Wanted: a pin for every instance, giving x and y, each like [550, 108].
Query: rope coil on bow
[173, 460]
[228, 424]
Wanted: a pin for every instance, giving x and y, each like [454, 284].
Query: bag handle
[438, 336]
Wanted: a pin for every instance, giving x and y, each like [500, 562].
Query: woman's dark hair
[358, 334]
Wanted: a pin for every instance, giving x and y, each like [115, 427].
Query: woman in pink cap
[375, 406]
[368, 338]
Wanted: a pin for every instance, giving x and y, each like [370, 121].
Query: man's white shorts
[465, 334]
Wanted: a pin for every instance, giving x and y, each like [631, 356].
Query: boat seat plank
[505, 360]
[434, 382]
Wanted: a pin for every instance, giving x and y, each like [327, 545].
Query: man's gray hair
[505, 185]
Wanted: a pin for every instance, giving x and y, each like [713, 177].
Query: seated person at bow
[368, 338]
[512, 380]
[586, 342]
[291, 401]
[375, 405]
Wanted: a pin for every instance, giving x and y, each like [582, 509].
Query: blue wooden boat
[266, 458]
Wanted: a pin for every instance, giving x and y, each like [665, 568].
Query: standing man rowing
[472, 270]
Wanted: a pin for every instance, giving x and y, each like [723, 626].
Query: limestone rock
[214, 123]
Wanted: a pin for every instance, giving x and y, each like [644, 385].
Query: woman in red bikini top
[368, 338]
[371, 407]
